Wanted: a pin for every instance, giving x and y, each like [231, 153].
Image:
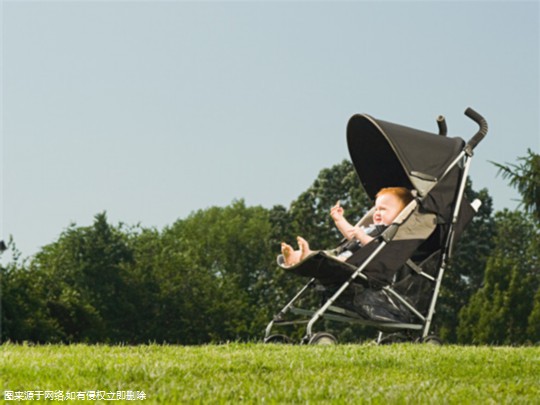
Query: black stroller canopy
[390, 155]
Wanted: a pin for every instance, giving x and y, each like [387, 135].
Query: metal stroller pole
[447, 253]
[466, 154]
[286, 308]
[334, 297]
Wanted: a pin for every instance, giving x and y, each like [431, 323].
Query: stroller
[393, 282]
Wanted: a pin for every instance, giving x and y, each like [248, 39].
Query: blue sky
[152, 110]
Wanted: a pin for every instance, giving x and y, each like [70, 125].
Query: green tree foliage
[533, 327]
[212, 276]
[75, 289]
[499, 312]
[209, 277]
[310, 212]
[86, 283]
[525, 177]
[175, 295]
[465, 273]
[23, 314]
[224, 255]
[203, 279]
[507, 308]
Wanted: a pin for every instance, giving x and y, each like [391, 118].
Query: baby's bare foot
[290, 255]
[304, 247]
[286, 251]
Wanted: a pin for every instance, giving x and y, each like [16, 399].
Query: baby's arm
[346, 229]
[361, 236]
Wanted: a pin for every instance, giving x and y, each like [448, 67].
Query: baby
[388, 204]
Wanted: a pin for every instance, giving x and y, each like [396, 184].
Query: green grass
[256, 373]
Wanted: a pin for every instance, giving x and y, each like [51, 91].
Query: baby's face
[387, 208]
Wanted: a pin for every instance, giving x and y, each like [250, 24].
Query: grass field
[257, 373]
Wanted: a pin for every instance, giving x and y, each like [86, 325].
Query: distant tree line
[212, 276]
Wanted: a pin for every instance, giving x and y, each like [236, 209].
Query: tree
[533, 327]
[525, 177]
[498, 312]
[86, 287]
[226, 260]
[507, 308]
[465, 273]
[24, 316]
[205, 278]
[174, 293]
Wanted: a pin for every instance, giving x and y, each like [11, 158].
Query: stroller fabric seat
[409, 230]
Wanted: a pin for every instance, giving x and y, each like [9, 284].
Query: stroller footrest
[344, 311]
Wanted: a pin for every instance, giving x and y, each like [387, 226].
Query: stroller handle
[475, 140]
[441, 123]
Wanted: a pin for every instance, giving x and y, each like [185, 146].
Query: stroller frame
[333, 313]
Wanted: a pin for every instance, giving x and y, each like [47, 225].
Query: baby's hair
[402, 193]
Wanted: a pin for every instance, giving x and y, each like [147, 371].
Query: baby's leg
[290, 255]
[304, 247]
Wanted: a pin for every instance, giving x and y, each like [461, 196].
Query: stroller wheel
[323, 338]
[432, 340]
[280, 339]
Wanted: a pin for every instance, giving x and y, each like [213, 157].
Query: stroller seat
[367, 275]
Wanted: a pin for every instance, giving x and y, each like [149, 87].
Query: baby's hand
[336, 212]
